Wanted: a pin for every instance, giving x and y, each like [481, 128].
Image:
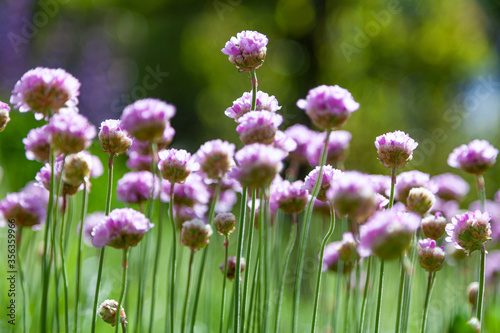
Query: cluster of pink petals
[215, 158]
[289, 197]
[469, 231]
[395, 149]
[338, 144]
[475, 157]
[258, 126]
[26, 208]
[4, 115]
[450, 186]
[113, 137]
[302, 136]
[329, 174]
[70, 132]
[176, 164]
[136, 187]
[37, 144]
[247, 50]
[242, 105]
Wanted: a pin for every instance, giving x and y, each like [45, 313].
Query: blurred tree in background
[430, 68]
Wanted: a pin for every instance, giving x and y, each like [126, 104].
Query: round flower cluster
[247, 50]
[113, 138]
[469, 231]
[395, 149]
[196, 234]
[258, 126]
[475, 157]
[4, 115]
[243, 105]
[430, 256]
[176, 165]
[215, 158]
[329, 174]
[291, 198]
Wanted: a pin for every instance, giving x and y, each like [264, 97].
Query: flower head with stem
[258, 126]
[475, 157]
[113, 138]
[70, 132]
[176, 165]
[431, 257]
[136, 187]
[469, 231]
[329, 174]
[107, 311]
[247, 51]
[243, 105]
[215, 158]
[291, 198]
[395, 149]
[37, 144]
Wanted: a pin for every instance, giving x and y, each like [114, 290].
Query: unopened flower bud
[231, 267]
[77, 168]
[431, 257]
[4, 115]
[196, 234]
[107, 311]
[224, 223]
[420, 200]
[472, 292]
[433, 226]
[113, 138]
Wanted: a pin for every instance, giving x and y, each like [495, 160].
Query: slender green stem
[45, 264]
[400, 295]
[155, 269]
[21, 276]
[288, 252]
[408, 285]
[101, 251]
[231, 307]
[253, 78]
[65, 277]
[262, 243]
[79, 256]
[186, 297]
[480, 296]
[379, 297]
[365, 295]
[393, 185]
[482, 191]
[346, 303]
[248, 259]
[355, 302]
[224, 278]
[430, 283]
[239, 249]
[173, 260]
[255, 281]
[204, 260]
[124, 287]
[254, 317]
[320, 268]
[305, 232]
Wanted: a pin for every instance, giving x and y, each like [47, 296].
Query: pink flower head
[387, 234]
[411, 179]
[44, 91]
[107, 311]
[395, 149]
[224, 223]
[433, 226]
[231, 267]
[476, 157]
[328, 107]
[91, 220]
[196, 234]
[37, 144]
[352, 194]
[450, 186]
[4, 115]
[284, 142]
[430, 256]
[70, 133]
[243, 105]
[113, 138]
[167, 138]
[192, 193]
[247, 50]
[258, 126]
[136, 187]
[123, 228]
[77, 168]
[26, 208]
[302, 136]
[329, 174]
[338, 144]
[345, 250]
[146, 119]
[43, 178]
[289, 197]
[469, 231]
[176, 164]
[215, 158]
[258, 164]
[493, 208]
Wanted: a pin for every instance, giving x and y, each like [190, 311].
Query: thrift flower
[243, 105]
[113, 138]
[37, 144]
[247, 50]
[91, 220]
[195, 234]
[107, 311]
[4, 115]
[77, 168]
[433, 226]
[291, 198]
[450, 186]
[284, 142]
[215, 158]
[411, 179]
[27, 208]
[395, 149]
[224, 223]
[476, 157]
[258, 126]
[70, 133]
[231, 267]
[176, 165]
[420, 200]
[430, 256]
[328, 107]
[136, 187]
[469, 231]
[329, 174]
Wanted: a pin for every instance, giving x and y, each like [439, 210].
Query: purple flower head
[176, 164]
[26, 208]
[136, 187]
[138, 162]
[113, 138]
[387, 234]
[258, 164]
[352, 194]
[420, 200]
[348, 251]
[492, 269]
[44, 91]
[77, 168]
[450, 186]
[215, 158]
[258, 126]
[88, 225]
[302, 136]
[224, 223]
[196, 234]
[328, 107]
[70, 133]
[476, 157]
[247, 50]
[37, 144]
[338, 144]
[411, 179]
[381, 184]
[243, 105]
[231, 267]
[43, 178]
[493, 208]
[107, 311]
[4, 115]
[167, 138]
[123, 228]
[430, 256]
[345, 250]
[469, 231]
[284, 142]
[395, 149]
[289, 197]
[329, 174]
[433, 226]
[146, 119]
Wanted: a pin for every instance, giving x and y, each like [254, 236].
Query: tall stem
[239, 249]
[65, 277]
[288, 252]
[248, 258]
[224, 278]
[79, 256]
[305, 232]
[430, 284]
[320, 268]
[400, 295]
[21, 275]
[346, 304]
[173, 259]
[183, 322]
[393, 185]
[482, 191]
[379, 297]
[101, 251]
[253, 291]
[262, 243]
[124, 287]
[253, 75]
[204, 259]
[480, 296]
[155, 270]
[365, 295]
